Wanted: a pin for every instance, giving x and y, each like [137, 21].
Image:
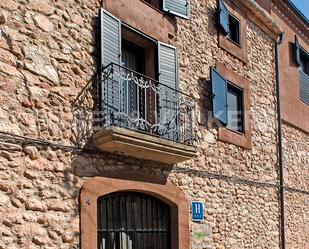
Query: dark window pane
[304, 62]
[154, 3]
[235, 108]
[234, 28]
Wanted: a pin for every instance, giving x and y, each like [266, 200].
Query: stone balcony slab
[142, 146]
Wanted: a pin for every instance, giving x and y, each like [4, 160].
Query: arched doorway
[156, 188]
[132, 220]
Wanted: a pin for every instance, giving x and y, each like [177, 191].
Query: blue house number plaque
[197, 209]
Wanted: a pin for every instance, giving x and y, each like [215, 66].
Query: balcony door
[133, 95]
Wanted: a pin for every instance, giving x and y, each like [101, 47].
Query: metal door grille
[133, 221]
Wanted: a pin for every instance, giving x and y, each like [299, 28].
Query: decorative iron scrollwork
[135, 101]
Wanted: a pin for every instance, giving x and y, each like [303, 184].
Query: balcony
[142, 118]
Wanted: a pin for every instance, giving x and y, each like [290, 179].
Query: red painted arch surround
[155, 186]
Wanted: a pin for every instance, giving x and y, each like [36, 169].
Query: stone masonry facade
[48, 54]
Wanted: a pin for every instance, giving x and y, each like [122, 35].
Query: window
[231, 106]
[234, 28]
[302, 61]
[304, 77]
[235, 108]
[229, 23]
[128, 220]
[155, 3]
[232, 22]
[227, 102]
[176, 7]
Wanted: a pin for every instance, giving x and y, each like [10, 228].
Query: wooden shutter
[219, 91]
[168, 97]
[110, 38]
[177, 7]
[297, 50]
[110, 53]
[223, 16]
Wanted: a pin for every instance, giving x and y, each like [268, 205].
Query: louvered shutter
[223, 16]
[304, 86]
[110, 38]
[168, 72]
[297, 51]
[168, 97]
[110, 53]
[219, 91]
[177, 7]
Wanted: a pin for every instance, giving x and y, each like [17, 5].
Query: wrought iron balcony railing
[135, 101]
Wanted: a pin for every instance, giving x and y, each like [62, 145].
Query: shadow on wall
[291, 55]
[205, 108]
[86, 105]
[104, 164]
[205, 103]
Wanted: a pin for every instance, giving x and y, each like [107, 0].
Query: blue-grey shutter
[304, 86]
[110, 53]
[177, 7]
[168, 96]
[223, 16]
[297, 51]
[110, 38]
[168, 69]
[219, 91]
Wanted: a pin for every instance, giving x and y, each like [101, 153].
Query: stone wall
[48, 55]
[235, 212]
[296, 144]
[296, 162]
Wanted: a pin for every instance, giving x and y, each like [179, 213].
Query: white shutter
[110, 38]
[110, 53]
[168, 97]
[177, 7]
[219, 91]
